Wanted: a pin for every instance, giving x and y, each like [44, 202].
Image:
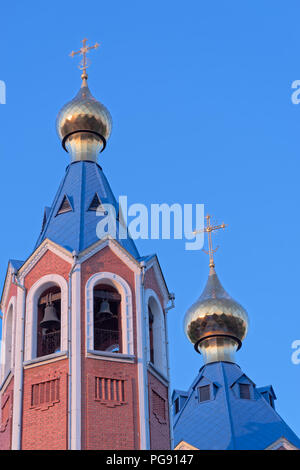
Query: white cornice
[7, 284]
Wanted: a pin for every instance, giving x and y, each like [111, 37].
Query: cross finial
[83, 51]
[209, 228]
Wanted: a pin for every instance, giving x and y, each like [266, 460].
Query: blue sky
[200, 95]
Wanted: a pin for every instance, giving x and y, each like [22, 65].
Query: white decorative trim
[142, 364]
[153, 263]
[38, 361]
[47, 245]
[76, 360]
[6, 381]
[32, 312]
[282, 442]
[158, 374]
[159, 332]
[126, 309]
[6, 288]
[18, 371]
[10, 312]
[108, 356]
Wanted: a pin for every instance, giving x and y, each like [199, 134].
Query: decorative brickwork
[109, 424]
[45, 394]
[159, 407]
[6, 416]
[110, 391]
[159, 414]
[45, 406]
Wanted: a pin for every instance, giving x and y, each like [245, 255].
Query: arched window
[8, 342]
[157, 352]
[49, 322]
[119, 297]
[51, 292]
[151, 343]
[107, 319]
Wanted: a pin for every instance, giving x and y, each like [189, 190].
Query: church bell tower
[84, 350]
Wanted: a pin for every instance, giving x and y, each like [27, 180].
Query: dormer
[178, 400]
[268, 394]
[244, 388]
[206, 390]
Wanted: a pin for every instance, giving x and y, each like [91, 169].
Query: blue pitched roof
[76, 229]
[227, 421]
[16, 263]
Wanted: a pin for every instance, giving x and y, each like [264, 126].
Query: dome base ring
[217, 336]
[63, 143]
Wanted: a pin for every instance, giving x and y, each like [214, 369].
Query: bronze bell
[104, 312]
[50, 320]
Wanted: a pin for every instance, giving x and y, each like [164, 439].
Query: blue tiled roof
[76, 229]
[228, 421]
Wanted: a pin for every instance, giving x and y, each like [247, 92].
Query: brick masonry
[159, 423]
[106, 424]
[45, 427]
[6, 415]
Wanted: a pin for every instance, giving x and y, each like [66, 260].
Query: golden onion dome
[84, 125]
[216, 323]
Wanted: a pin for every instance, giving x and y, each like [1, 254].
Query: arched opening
[107, 319]
[49, 322]
[151, 339]
[8, 346]
[156, 334]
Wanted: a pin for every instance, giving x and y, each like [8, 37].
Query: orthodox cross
[209, 228]
[83, 51]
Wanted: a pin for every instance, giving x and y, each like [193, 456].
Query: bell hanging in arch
[104, 312]
[50, 320]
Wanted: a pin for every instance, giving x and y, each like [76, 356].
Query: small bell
[104, 312]
[50, 320]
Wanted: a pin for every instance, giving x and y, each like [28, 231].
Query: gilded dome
[84, 119]
[215, 314]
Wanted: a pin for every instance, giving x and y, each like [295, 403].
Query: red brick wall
[6, 416]
[45, 427]
[49, 263]
[106, 427]
[159, 424]
[110, 425]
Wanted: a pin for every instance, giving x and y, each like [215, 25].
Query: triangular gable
[269, 389]
[242, 379]
[185, 446]
[13, 266]
[116, 247]
[134, 263]
[282, 444]
[40, 251]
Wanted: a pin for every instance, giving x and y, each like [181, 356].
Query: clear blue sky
[200, 95]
